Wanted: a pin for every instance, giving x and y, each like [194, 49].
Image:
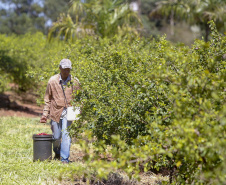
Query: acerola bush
[21, 55]
[156, 104]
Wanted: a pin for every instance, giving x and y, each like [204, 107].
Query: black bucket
[42, 147]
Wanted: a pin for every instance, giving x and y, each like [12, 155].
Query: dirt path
[20, 105]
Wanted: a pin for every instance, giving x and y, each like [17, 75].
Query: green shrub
[166, 103]
[21, 55]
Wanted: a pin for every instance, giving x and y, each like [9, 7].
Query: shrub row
[150, 104]
[158, 105]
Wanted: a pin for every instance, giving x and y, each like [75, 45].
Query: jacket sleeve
[47, 100]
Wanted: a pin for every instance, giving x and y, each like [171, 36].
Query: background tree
[150, 24]
[194, 12]
[21, 16]
[172, 9]
[203, 11]
[111, 17]
[53, 8]
[103, 17]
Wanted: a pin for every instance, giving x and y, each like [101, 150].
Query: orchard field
[147, 104]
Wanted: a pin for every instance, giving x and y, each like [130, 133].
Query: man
[57, 98]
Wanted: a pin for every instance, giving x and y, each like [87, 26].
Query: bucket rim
[36, 135]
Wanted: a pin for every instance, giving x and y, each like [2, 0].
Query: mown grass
[16, 154]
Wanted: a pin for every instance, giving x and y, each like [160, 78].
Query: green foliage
[194, 12]
[24, 16]
[104, 18]
[53, 8]
[19, 55]
[156, 104]
[147, 104]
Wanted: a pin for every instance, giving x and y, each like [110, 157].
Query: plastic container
[42, 147]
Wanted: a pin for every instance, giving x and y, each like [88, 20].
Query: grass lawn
[16, 156]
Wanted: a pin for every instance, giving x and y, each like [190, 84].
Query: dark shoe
[64, 162]
[57, 157]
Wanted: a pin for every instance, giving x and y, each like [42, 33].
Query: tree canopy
[195, 12]
[21, 16]
[103, 18]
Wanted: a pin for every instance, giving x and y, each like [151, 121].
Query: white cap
[65, 63]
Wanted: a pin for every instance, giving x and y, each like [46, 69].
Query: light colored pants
[62, 142]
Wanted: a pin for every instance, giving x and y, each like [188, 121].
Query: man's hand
[43, 119]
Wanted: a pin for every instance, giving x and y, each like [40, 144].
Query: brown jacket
[54, 97]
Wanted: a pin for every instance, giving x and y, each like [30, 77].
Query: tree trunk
[172, 22]
[207, 29]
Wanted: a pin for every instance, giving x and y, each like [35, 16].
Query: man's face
[64, 72]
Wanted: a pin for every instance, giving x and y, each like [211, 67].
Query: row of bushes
[158, 105]
[149, 104]
[20, 55]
